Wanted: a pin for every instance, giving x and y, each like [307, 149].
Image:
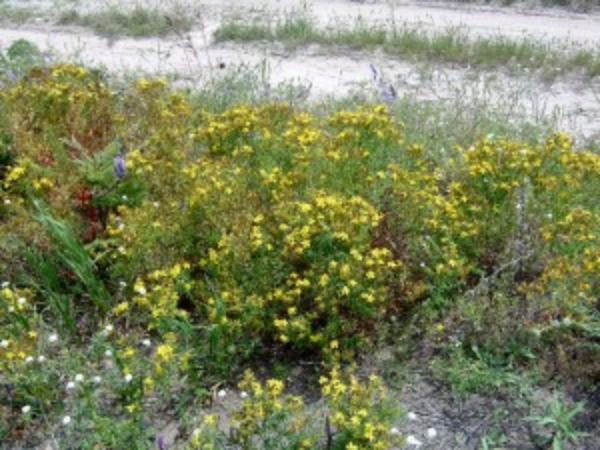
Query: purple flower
[388, 92]
[160, 441]
[386, 89]
[11, 75]
[373, 71]
[119, 166]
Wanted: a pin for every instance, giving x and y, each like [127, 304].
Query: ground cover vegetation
[157, 243]
[414, 42]
[138, 22]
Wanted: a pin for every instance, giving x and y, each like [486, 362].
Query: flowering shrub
[500, 205]
[270, 419]
[355, 414]
[218, 236]
[362, 414]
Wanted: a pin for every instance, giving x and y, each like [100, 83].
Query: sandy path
[575, 102]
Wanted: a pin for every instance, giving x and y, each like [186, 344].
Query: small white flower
[141, 290]
[4, 343]
[79, 378]
[411, 440]
[146, 343]
[128, 378]
[156, 205]
[549, 215]
[431, 433]
[26, 409]
[394, 430]
[97, 379]
[121, 249]
[66, 420]
[29, 359]
[122, 284]
[41, 358]
[124, 197]
[243, 394]
[412, 416]
[109, 328]
[11, 309]
[21, 300]
[567, 321]
[7, 202]
[121, 226]
[70, 385]
[222, 393]
[53, 338]
[108, 353]
[5, 284]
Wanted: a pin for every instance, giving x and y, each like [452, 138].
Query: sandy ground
[572, 102]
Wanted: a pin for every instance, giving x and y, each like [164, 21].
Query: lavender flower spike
[373, 71]
[160, 441]
[119, 166]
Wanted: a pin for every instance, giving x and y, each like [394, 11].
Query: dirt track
[573, 101]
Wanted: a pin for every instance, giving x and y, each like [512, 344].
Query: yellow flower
[164, 352]
[210, 419]
[132, 408]
[121, 308]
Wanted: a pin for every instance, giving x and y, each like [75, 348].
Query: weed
[137, 22]
[557, 420]
[16, 15]
[18, 58]
[409, 41]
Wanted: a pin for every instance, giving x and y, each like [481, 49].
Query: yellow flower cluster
[17, 325]
[360, 411]
[266, 406]
[357, 415]
[160, 292]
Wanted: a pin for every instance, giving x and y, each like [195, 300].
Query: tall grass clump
[16, 15]
[408, 41]
[136, 22]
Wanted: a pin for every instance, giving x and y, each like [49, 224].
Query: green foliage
[356, 414]
[137, 22]
[18, 58]
[67, 261]
[451, 45]
[19, 15]
[557, 420]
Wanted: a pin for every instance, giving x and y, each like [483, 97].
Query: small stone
[413, 441]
